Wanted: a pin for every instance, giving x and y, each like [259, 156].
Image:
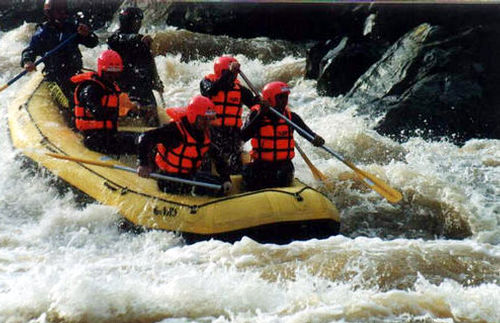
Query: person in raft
[67, 61]
[228, 95]
[179, 148]
[97, 105]
[272, 140]
[140, 76]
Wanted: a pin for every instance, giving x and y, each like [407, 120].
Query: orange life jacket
[84, 120]
[228, 105]
[185, 158]
[274, 141]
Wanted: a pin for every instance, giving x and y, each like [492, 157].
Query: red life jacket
[84, 120]
[274, 141]
[228, 105]
[185, 158]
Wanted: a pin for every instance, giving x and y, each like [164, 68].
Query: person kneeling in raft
[97, 102]
[272, 140]
[180, 147]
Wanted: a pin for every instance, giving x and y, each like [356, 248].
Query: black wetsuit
[139, 76]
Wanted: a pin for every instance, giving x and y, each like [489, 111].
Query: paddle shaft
[133, 170]
[311, 138]
[43, 58]
[254, 90]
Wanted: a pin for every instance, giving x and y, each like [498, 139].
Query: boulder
[289, 21]
[343, 64]
[433, 82]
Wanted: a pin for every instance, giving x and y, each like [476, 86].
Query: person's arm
[120, 40]
[221, 165]
[34, 49]
[209, 88]
[248, 98]
[168, 135]
[251, 125]
[318, 140]
[90, 98]
[90, 41]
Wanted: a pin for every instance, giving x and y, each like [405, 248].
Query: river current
[434, 257]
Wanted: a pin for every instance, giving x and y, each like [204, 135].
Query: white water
[59, 262]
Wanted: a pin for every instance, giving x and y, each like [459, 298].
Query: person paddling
[97, 107]
[228, 95]
[67, 61]
[178, 148]
[272, 140]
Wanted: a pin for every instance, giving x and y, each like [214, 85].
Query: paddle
[44, 57]
[133, 170]
[370, 180]
[317, 174]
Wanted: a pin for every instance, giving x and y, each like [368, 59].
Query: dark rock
[315, 54]
[341, 66]
[434, 83]
[290, 21]
[394, 20]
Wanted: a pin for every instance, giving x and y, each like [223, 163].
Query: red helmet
[200, 106]
[50, 7]
[271, 90]
[109, 61]
[222, 63]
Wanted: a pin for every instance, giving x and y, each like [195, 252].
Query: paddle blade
[317, 174]
[377, 184]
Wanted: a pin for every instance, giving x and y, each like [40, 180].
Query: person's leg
[210, 179]
[284, 173]
[256, 176]
[141, 93]
[125, 142]
[115, 143]
[234, 150]
[173, 187]
[227, 142]
[260, 175]
[96, 140]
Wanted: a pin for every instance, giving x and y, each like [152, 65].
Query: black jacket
[65, 62]
[139, 66]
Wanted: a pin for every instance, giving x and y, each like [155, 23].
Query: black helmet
[53, 8]
[130, 16]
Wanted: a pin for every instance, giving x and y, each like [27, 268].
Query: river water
[434, 257]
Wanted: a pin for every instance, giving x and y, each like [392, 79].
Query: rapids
[434, 257]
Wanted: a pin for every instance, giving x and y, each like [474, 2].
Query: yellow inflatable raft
[277, 215]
